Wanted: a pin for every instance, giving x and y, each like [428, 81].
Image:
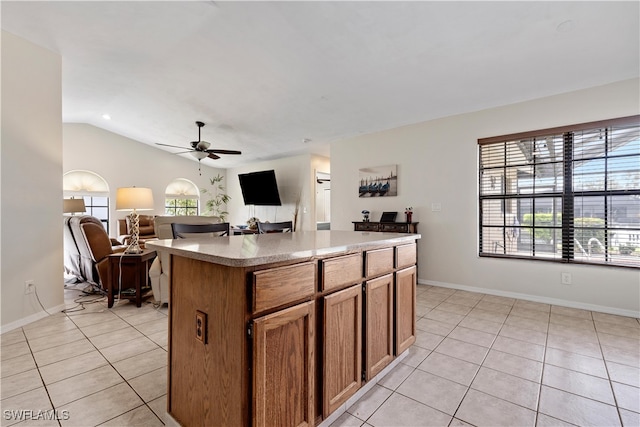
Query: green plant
[218, 199]
[542, 220]
[585, 228]
[627, 249]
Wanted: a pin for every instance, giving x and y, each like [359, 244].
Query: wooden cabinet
[280, 286]
[405, 309]
[386, 227]
[286, 343]
[378, 324]
[283, 360]
[342, 347]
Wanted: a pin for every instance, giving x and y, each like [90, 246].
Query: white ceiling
[264, 76]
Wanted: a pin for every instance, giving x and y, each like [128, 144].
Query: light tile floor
[478, 360]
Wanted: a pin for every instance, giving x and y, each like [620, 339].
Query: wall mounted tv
[260, 188]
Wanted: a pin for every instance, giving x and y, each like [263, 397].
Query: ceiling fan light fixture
[202, 145]
[199, 154]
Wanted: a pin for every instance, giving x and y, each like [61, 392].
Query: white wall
[31, 177]
[295, 178]
[123, 162]
[320, 164]
[437, 163]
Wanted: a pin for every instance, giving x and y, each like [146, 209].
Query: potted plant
[218, 199]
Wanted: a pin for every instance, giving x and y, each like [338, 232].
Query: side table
[127, 271]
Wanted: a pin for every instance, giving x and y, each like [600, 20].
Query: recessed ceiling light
[565, 26]
[106, 117]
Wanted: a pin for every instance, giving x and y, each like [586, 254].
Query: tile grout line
[79, 328]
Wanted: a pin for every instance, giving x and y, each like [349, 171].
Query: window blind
[568, 194]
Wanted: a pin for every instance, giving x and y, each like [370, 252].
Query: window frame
[172, 209]
[565, 193]
[91, 207]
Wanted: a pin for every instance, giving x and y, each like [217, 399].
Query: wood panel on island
[288, 342]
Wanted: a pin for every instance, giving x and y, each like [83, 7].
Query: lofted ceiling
[282, 78]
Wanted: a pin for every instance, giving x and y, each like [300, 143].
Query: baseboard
[535, 298]
[30, 319]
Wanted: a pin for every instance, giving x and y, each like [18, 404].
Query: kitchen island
[283, 328]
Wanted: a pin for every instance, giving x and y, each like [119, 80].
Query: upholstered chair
[94, 247]
[160, 271]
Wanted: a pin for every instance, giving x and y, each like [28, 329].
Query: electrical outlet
[565, 278]
[201, 327]
[29, 287]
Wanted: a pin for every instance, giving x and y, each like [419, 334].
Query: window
[176, 207]
[98, 206]
[181, 198]
[93, 189]
[566, 194]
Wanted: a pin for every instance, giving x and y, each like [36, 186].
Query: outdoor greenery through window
[568, 194]
[181, 198]
[181, 206]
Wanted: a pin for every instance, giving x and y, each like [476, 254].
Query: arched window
[93, 189]
[181, 198]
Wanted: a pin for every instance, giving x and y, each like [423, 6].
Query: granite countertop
[257, 249]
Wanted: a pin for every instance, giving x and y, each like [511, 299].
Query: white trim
[32, 318]
[536, 298]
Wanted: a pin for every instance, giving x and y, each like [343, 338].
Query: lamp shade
[199, 154]
[130, 198]
[73, 206]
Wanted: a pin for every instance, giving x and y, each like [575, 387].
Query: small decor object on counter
[253, 223]
[365, 215]
[408, 211]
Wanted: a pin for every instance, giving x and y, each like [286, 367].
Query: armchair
[160, 271]
[94, 247]
[147, 228]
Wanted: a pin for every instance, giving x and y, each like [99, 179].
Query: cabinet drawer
[394, 228]
[279, 286]
[365, 226]
[378, 262]
[344, 270]
[405, 255]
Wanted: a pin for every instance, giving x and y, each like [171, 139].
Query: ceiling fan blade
[224, 151]
[184, 152]
[174, 146]
[213, 156]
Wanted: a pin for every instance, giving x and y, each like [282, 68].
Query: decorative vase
[408, 214]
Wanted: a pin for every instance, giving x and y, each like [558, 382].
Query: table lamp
[73, 205]
[134, 199]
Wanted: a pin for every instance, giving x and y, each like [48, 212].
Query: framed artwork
[379, 181]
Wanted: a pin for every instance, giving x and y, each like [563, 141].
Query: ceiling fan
[200, 149]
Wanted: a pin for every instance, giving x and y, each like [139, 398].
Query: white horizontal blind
[566, 194]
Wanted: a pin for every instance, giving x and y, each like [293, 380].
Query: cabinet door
[405, 308]
[378, 324]
[283, 366]
[341, 370]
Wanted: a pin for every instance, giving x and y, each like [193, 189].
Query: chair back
[162, 223]
[275, 227]
[94, 246]
[183, 231]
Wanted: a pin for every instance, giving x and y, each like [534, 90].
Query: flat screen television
[260, 188]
